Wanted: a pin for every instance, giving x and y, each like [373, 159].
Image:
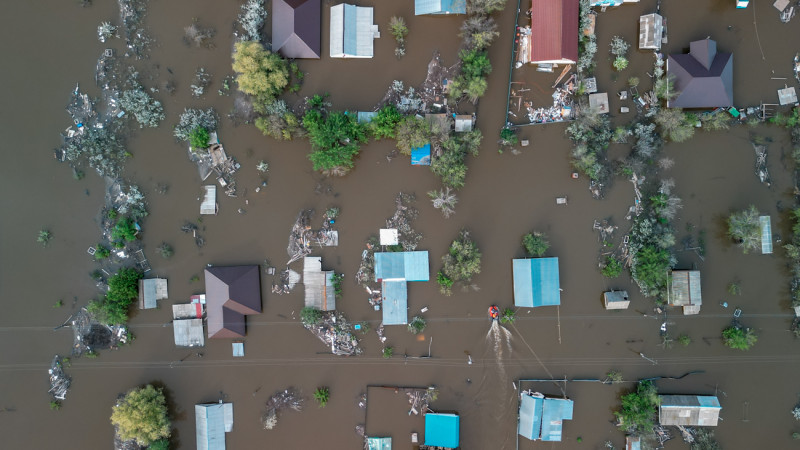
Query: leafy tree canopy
[335, 138]
[259, 72]
[142, 416]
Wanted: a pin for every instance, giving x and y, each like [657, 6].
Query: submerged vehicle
[494, 312]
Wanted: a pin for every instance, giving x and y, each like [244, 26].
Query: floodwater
[48, 46]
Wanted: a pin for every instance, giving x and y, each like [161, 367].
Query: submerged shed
[441, 430]
[598, 102]
[209, 204]
[542, 418]
[319, 290]
[689, 410]
[787, 96]
[212, 421]
[766, 234]
[633, 443]
[352, 31]
[366, 116]
[150, 291]
[464, 123]
[651, 28]
[616, 300]
[685, 291]
[439, 7]
[536, 282]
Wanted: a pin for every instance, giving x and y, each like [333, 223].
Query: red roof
[554, 30]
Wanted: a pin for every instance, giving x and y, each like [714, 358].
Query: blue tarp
[395, 302]
[536, 282]
[441, 430]
[421, 156]
[440, 7]
[542, 418]
[410, 266]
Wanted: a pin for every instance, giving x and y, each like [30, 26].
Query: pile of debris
[132, 14]
[288, 398]
[59, 381]
[214, 160]
[91, 335]
[334, 330]
[287, 280]
[420, 399]
[191, 227]
[561, 110]
[302, 236]
[760, 147]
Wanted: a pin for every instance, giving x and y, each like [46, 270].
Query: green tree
[398, 28]
[612, 267]
[535, 243]
[450, 166]
[198, 138]
[383, 125]
[124, 230]
[123, 290]
[335, 139]
[463, 260]
[475, 66]
[674, 124]
[142, 416]
[651, 269]
[161, 444]
[417, 325]
[509, 316]
[388, 352]
[445, 283]
[322, 395]
[638, 412]
[411, 133]
[620, 63]
[102, 252]
[259, 72]
[739, 338]
[745, 229]
[310, 316]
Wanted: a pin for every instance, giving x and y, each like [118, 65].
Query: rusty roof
[554, 30]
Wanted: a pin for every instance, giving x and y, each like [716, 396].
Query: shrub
[101, 252]
[509, 316]
[198, 138]
[744, 229]
[165, 250]
[445, 283]
[388, 352]
[417, 325]
[674, 124]
[450, 166]
[620, 63]
[612, 267]
[684, 340]
[535, 243]
[45, 236]
[251, 18]
[508, 137]
[161, 444]
[463, 260]
[337, 284]
[614, 377]
[310, 316]
[142, 416]
[55, 405]
[398, 28]
[322, 395]
[192, 119]
[124, 230]
[478, 32]
[739, 338]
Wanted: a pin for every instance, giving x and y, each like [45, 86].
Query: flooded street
[50, 45]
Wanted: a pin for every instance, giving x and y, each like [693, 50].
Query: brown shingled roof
[231, 293]
[554, 30]
[296, 28]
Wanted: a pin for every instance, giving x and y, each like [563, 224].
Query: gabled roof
[296, 28]
[554, 30]
[541, 418]
[689, 410]
[409, 266]
[441, 430]
[439, 7]
[685, 288]
[703, 77]
[352, 31]
[394, 298]
[536, 282]
[231, 293]
[212, 421]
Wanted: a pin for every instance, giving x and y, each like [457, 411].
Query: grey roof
[231, 293]
[616, 299]
[319, 290]
[151, 290]
[651, 27]
[689, 410]
[685, 289]
[352, 31]
[703, 77]
[296, 28]
[212, 421]
[188, 332]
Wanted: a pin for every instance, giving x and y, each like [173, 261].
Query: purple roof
[231, 293]
[296, 28]
[703, 77]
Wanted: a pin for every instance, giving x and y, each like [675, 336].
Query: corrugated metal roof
[319, 290]
[616, 299]
[209, 204]
[187, 311]
[421, 156]
[150, 291]
[554, 31]
[536, 282]
[188, 332]
[395, 302]
[651, 27]
[211, 422]
[238, 349]
[685, 288]
[441, 430]
[689, 410]
[410, 266]
[554, 412]
[379, 443]
[422, 7]
[352, 31]
[530, 417]
[766, 234]
[463, 123]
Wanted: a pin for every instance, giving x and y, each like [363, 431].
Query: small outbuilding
[689, 410]
[536, 282]
[389, 236]
[542, 418]
[212, 421]
[598, 103]
[394, 298]
[633, 443]
[464, 122]
[787, 96]
[685, 291]
[439, 7]
[616, 300]
[442, 430]
[209, 203]
[319, 290]
[187, 325]
[421, 156]
[651, 30]
[366, 116]
[766, 234]
[379, 443]
[352, 31]
[150, 291]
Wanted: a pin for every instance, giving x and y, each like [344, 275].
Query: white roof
[352, 31]
[209, 205]
[389, 236]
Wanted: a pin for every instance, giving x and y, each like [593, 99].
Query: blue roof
[536, 282]
[409, 266]
[421, 156]
[395, 302]
[366, 116]
[379, 443]
[441, 430]
[542, 418]
[440, 7]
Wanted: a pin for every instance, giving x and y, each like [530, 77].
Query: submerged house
[212, 421]
[439, 7]
[766, 234]
[684, 290]
[536, 282]
[319, 291]
[394, 270]
[209, 203]
[542, 418]
[232, 293]
[187, 325]
[352, 31]
[616, 300]
[553, 37]
[296, 26]
[689, 410]
[703, 77]
[651, 29]
[441, 430]
[150, 291]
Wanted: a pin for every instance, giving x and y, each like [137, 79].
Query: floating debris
[302, 237]
[288, 398]
[59, 381]
[334, 330]
[760, 147]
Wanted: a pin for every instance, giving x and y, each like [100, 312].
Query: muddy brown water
[505, 197]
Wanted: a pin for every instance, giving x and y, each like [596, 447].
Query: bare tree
[444, 200]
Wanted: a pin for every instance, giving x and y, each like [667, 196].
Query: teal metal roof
[441, 430]
[555, 411]
[766, 234]
[440, 7]
[395, 302]
[410, 266]
[536, 282]
[379, 443]
[212, 421]
[542, 418]
[530, 417]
